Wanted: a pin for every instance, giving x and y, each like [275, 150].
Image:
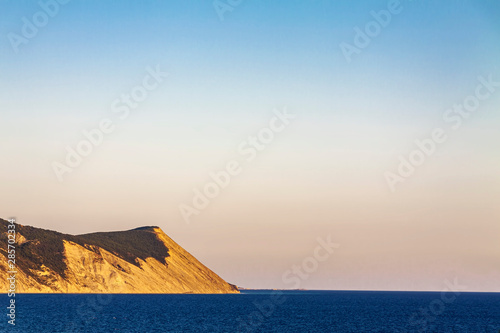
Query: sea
[256, 311]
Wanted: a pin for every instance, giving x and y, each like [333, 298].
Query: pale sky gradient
[323, 175]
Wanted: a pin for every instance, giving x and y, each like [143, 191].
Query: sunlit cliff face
[92, 269]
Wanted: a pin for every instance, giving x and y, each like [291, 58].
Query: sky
[351, 95]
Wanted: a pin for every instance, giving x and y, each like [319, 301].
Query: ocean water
[258, 311]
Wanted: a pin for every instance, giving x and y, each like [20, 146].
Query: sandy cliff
[143, 260]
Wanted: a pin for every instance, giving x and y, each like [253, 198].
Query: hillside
[142, 260]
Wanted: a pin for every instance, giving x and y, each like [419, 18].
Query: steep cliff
[142, 260]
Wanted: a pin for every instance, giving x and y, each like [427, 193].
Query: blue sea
[257, 311]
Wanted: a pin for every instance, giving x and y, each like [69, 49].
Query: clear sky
[323, 174]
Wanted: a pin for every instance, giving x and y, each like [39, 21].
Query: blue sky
[225, 78]
[94, 47]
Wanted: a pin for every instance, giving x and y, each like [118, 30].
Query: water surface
[258, 311]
